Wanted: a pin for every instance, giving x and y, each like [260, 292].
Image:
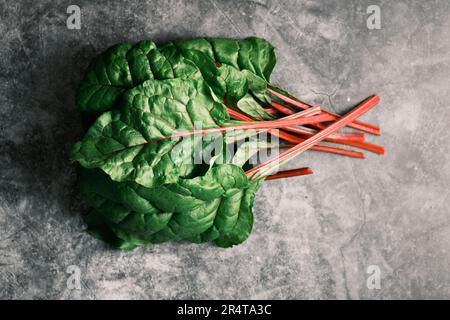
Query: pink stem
[362, 126]
[295, 139]
[255, 125]
[290, 173]
[269, 165]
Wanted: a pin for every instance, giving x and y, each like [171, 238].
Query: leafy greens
[156, 164]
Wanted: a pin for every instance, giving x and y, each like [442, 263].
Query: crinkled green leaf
[234, 219]
[118, 142]
[124, 66]
[249, 106]
[107, 77]
[127, 215]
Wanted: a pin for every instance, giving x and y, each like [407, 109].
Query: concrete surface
[314, 237]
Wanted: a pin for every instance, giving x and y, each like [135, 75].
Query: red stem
[362, 126]
[248, 126]
[282, 109]
[375, 148]
[269, 165]
[337, 137]
[345, 141]
[290, 173]
[310, 132]
[342, 152]
[294, 139]
[238, 115]
[271, 111]
[304, 131]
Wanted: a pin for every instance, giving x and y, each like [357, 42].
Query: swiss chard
[161, 109]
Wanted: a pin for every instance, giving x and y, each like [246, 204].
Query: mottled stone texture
[315, 236]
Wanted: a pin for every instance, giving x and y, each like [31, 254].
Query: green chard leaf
[119, 141]
[107, 77]
[251, 107]
[235, 217]
[242, 63]
[213, 206]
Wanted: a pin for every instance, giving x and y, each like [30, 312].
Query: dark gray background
[315, 236]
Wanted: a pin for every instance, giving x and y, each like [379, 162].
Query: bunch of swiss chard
[139, 159]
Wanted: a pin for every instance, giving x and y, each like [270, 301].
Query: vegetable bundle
[161, 109]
